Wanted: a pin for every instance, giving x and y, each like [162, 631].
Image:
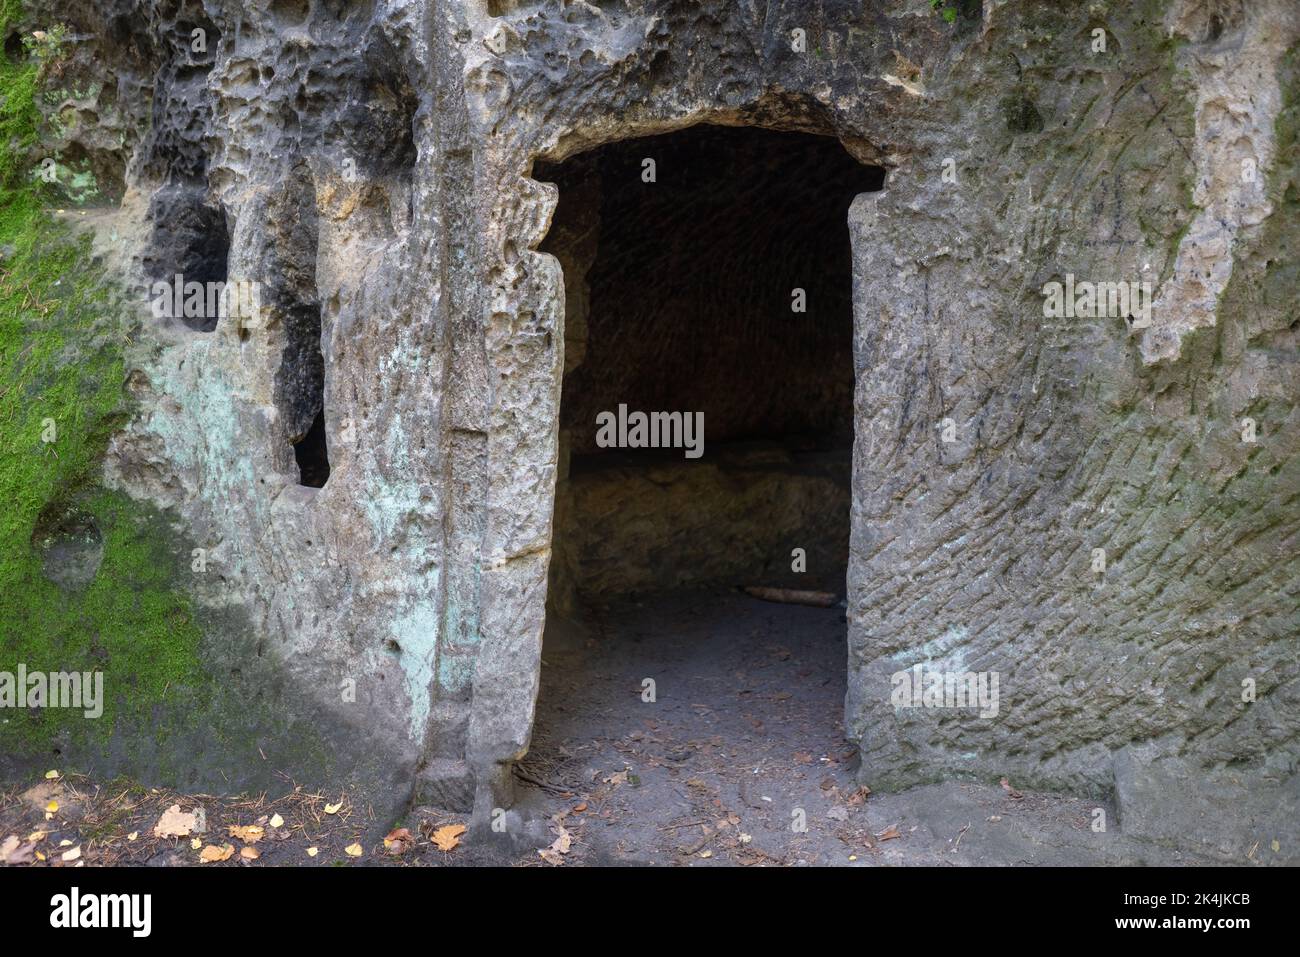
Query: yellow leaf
[333, 808]
[196, 844]
[51, 775]
[313, 851]
[133, 835]
[65, 843]
[250, 853]
[352, 850]
[40, 856]
[447, 837]
[212, 854]
[52, 807]
[35, 836]
[249, 835]
[277, 821]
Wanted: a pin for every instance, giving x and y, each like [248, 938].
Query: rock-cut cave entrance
[707, 273]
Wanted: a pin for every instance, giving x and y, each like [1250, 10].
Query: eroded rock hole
[292, 298]
[312, 455]
[70, 545]
[707, 278]
[190, 244]
[14, 51]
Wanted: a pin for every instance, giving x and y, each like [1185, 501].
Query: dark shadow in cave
[312, 455]
[190, 239]
[682, 295]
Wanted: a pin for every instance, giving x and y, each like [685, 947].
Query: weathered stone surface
[372, 164]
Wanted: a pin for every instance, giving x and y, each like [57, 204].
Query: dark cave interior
[707, 271]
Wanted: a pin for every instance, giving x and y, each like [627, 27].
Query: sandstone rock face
[370, 166]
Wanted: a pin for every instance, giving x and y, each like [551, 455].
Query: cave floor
[744, 735]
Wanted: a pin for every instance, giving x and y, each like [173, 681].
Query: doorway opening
[706, 425]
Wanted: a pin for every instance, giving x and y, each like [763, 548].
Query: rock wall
[732, 519]
[370, 163]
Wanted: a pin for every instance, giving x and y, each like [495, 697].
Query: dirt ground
[744, 742]
[737, 758]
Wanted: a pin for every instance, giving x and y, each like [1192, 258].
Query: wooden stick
[792, 596]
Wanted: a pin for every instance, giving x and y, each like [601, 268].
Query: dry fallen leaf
[213, 854]
[333, 808]
[174, 823]
[71, 855]
[352, 850]
[249, 835]
[447, 837]
[249, 853]
[553, 855]
[18, 853]
[313, 851]
[196, 843]
[1006, 786]
[277, 821]
[889, 833]
[51, 775]
[398, 840]
[133, 835]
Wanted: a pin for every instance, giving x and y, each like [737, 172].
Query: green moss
[61, 396]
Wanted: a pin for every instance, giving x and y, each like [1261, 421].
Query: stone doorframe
[523, 323]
